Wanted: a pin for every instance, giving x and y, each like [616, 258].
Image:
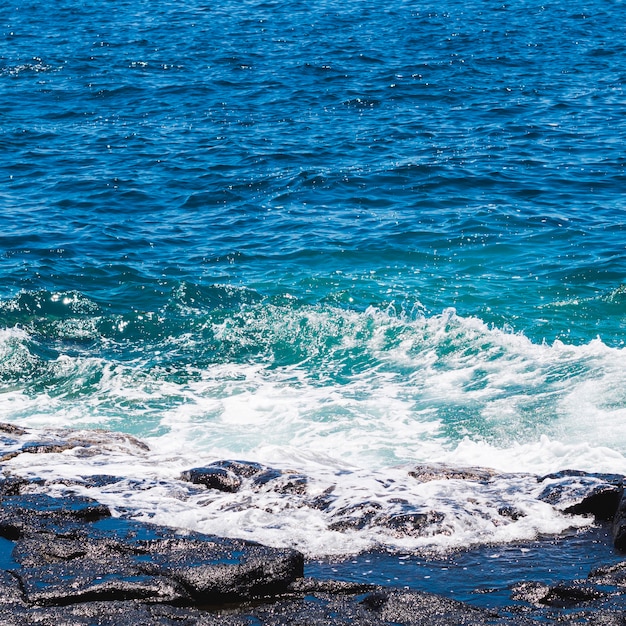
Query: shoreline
[67, 560]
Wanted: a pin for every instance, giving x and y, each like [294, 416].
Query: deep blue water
[464, 154]
[375, 232]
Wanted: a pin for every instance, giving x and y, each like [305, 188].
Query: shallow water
[484, 576]
[338, 239]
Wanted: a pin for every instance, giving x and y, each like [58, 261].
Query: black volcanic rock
[602, 502]
[213, 477]
[229, 476]
[31, 513]
[562, 595]
[619, 525]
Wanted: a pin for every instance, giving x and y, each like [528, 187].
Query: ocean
[337, 239]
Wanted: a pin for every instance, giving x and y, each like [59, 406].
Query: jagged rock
[406, 523]
[613, 479]
[511, 513]
[356, 517]
[243, 469]
[582, 493]
[226, 571]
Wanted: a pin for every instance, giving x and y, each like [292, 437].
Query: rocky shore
[68, 561]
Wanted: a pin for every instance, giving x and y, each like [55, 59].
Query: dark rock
[213, 478]
[229, 476]
[602, 502]
[582, 493]
[100, 480]
[281, 482]
[561, 595]
[125, 560]
[414, 608]
[324, 500]
[88, 580]
[529, 591]
[109, 613]
[243, 469]
[12, 485]
[413, 524]
[224, 573]
[310, 586]
[619, 525]
[31, 513]
[12, 429]
[609, 575]
[441, 471]
[613, 479]
[511, 513]
[356, 517]
[10, 589]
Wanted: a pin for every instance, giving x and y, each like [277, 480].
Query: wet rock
[280, 482]
[12, 485]
[229, 476]
[413, 608]
[529, 591]
[405, 523]
[441, 471]
[213, 478]
[413, 524]
[356, 517]
[38, 447]
[613, 479]
[88, 580]
[609, 575]
[560, 596]
[619, 525]
[124, 560]
[32, 513]
[511, 513]
[12, 429]
[226, 572]
[581, 493]
[602, 502]
[10, 589]
[105, 613]
[243, 469]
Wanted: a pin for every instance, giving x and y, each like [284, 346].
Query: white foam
[388, 392]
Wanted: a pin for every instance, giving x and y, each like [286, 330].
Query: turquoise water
[351, 232]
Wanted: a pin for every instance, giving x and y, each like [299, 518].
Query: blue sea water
[329, 235]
